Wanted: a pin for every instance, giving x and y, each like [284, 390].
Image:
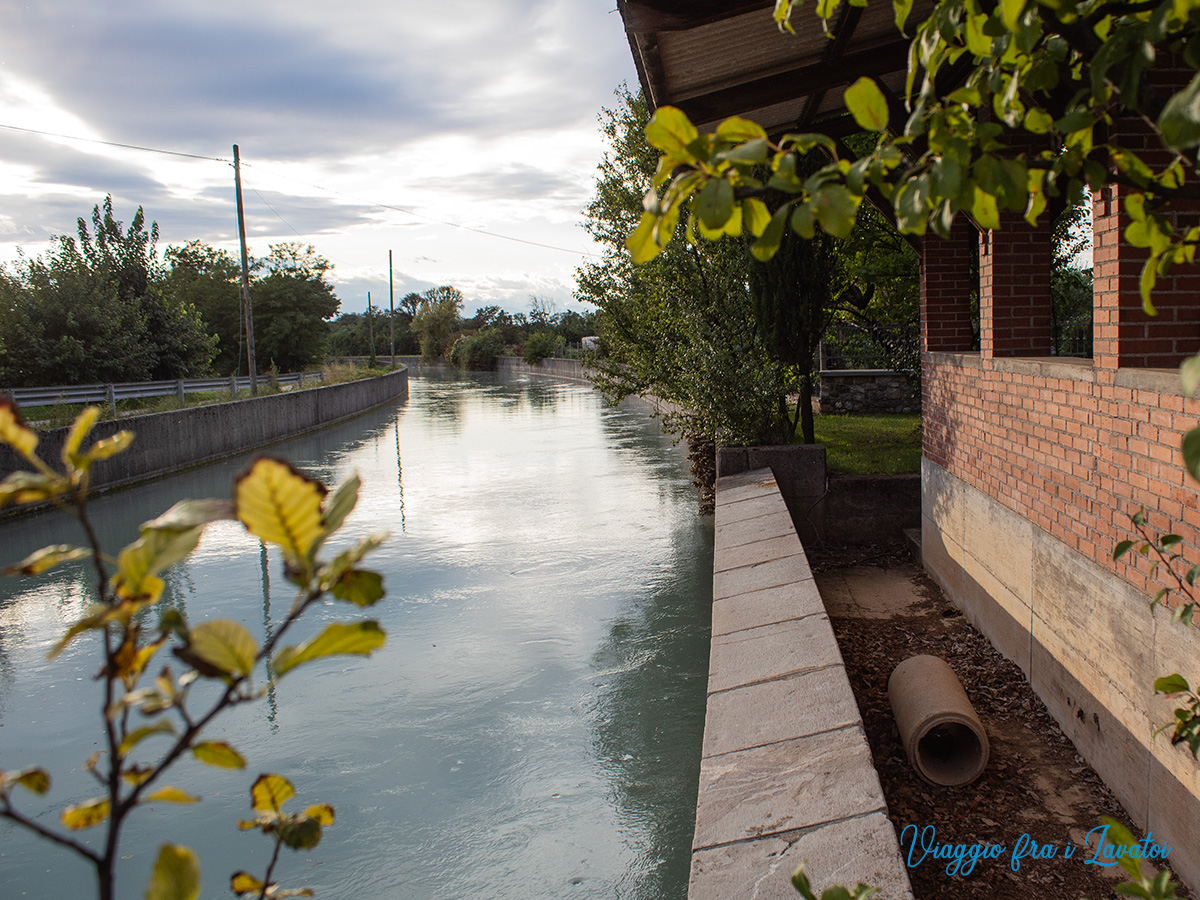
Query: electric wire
[319, 187]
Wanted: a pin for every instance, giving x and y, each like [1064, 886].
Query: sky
[474, 119]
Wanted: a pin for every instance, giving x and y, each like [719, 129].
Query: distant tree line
[431, 324]
[103, 306]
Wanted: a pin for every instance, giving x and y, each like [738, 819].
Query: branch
[9, 813]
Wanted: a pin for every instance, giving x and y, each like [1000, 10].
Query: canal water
[532, 727]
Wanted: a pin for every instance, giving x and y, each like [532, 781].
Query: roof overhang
[718, 58]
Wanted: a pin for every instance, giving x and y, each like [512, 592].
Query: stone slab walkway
[786, 774]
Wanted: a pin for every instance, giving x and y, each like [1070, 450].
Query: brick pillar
[1125, 337]
[1014, 289]
[946, 287]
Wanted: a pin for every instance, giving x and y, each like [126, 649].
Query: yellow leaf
[281, 506]
[85, 815]
[245, 883]
[171, 795]
[220, 754]
[32, 779]
[31, 487]
[323, 813]
[47, 558]
[176, 875]
[225, 645]
[135, 737]
[354, 638]
[14, 431]
[83, 424]
[270, 792]
[109, 446]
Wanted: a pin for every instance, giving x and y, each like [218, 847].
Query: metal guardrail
[180, 388]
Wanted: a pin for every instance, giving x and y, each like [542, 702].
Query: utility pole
[370, 332]
[237, 180]
[391, 310]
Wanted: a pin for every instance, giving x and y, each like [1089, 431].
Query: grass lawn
[870, 445]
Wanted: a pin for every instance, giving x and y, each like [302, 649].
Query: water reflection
[531, 729]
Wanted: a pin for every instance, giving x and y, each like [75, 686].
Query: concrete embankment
[786, 773]
[172, 441]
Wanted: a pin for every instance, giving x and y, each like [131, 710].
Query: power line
[319, 187]
[71, 137]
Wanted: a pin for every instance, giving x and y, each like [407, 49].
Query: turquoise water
[532, 727]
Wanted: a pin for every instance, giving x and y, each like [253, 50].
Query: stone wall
[867, 391]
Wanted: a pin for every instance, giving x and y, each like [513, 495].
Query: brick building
[1032, 463]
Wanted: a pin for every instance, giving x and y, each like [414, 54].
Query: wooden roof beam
[794, 83]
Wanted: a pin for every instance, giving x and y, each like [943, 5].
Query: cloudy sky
[472, 115]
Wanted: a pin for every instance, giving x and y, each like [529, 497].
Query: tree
[292, 305]
[92, 309]
[681, 328]
[210, 280]
[1063, 78]
[437, 320]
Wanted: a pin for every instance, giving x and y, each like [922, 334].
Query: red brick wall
[1067, 447]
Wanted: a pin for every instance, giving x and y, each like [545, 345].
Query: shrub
[538, 346]
[477, 351]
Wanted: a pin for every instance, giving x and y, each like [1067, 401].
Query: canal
[532, 727]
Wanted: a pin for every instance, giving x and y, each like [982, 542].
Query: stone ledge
[786, 773]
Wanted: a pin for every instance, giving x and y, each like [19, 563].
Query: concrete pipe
[942, 735]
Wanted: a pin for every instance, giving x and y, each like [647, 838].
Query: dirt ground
[1035, 784]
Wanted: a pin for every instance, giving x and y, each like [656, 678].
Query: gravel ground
[1035, 783]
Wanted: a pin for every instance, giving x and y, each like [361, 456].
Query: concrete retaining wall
[170, 441]
[867, 391]
[570, 369]
[838, 509]
[1088, 643]
[786, 773]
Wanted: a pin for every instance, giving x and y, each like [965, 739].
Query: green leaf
[1189, 373]
[225, 645]
[867, 104]
[353, 639]
[768, 242]
[47, 558]
[1038, 121]
[1171, 684]
[270, 792]
[757, 218]
[1119, 836]
[1011, 12]
[714, 205]
[85, 815]
[301, 834]
[1121, 549]
[176, 875]
[219, 754]
[641, 244]
[984, 210]
[1180, 118]
[736, 128]
[836, 209]
[902, 9]
[671, 131]
[360, 587]
[188, 514]
[340, 505]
